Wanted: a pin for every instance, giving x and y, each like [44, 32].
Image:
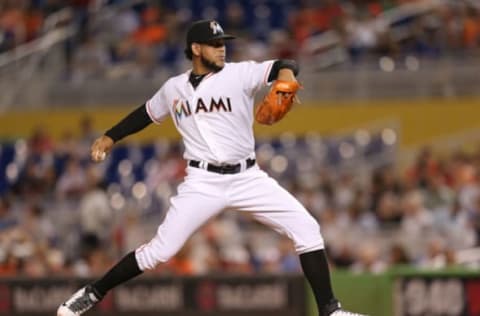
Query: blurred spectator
[235, 259]
[170, 54]
[364, 33]
[388, 211]
[51, 6]
[37, 177]
[129, 232]
[96, 216]
[471, 28]
[437, 255]
[181, 264]
[357, 216]
[280, 44]
[93, 257]
[67, 146]
[369, 260]
[33, 22]
[143, 36]
[288, 258]
[384, 182]
[438, 195]
[72, 183]
[38, 225]
[235, 20]
[90, 60]
[12, 16]
[87, 136]
[170, 169]
[416, 218]
[125, 23]
[457, 225]
[402, 228]
[342, 256]
[7, 220]
[151, 30]
[35, 266]
[425, 167]
[40, 142]
[398, 255]
[8, 264]
[474, 220]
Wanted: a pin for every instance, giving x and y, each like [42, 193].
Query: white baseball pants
[205, 194]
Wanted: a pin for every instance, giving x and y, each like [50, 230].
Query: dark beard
[210, 65]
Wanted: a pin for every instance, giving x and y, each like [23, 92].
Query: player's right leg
[269, 203]
[199, 198]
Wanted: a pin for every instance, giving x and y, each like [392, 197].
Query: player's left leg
[255, 192]
[199, 198]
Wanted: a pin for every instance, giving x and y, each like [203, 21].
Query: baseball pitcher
[212, 107]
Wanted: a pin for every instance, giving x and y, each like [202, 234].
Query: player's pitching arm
[132, 123]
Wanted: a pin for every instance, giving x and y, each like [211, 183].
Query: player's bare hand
[100, 148]
[286, 74]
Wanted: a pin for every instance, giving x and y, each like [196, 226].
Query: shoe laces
[83, 302]
[344, 313]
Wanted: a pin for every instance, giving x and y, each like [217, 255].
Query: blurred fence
[27, 72]
[39, 74]
[433, 79]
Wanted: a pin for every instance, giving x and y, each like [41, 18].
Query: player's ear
[196, 49]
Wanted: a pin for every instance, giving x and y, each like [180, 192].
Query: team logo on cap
[216, 28]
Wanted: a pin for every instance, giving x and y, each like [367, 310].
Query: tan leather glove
[277, 102]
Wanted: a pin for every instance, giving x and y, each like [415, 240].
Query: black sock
[316, 270]
[124, 270]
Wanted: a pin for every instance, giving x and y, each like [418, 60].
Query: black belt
[224, 169]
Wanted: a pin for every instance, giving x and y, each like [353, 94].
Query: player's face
[213, 54]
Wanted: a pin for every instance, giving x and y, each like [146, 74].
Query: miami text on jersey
[182, 108]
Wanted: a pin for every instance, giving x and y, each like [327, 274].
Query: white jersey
[216, 124]
[215, 119]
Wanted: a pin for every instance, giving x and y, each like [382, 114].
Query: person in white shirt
[212, 108]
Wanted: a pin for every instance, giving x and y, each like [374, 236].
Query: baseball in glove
[277, 102]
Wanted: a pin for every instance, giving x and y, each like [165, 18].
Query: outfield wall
[400, 292]
[175, 296]
[407, 292]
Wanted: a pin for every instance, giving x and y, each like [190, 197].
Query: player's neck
[202, 66]
[198, 68]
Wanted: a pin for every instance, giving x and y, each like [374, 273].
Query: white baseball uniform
[215, 120]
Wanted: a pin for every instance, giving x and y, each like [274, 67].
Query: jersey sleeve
[256, 74]
[157, 106]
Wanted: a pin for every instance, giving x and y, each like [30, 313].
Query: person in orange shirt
[33, 23]
[151, 31]
[181, 263]
[12, 23]
[471, 29]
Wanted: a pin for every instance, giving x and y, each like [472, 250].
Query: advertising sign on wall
[175, 296]
[437, 296]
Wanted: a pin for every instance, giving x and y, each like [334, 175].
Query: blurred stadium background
[384, 152]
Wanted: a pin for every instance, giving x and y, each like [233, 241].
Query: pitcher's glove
[277, 102]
